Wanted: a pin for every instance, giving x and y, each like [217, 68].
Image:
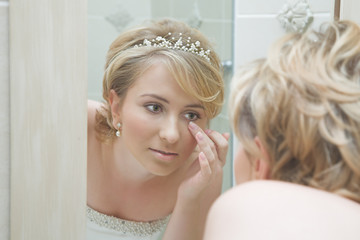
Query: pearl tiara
[181, 44]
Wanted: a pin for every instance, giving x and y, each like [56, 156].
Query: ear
[115, 104]
[262, 164]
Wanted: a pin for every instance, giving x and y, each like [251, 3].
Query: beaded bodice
[140, 229]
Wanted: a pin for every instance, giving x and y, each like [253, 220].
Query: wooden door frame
[48, 115]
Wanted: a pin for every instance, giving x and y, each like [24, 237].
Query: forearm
[187, 221]
[198, 192]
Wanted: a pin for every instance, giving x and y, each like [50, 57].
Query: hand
[205, 180]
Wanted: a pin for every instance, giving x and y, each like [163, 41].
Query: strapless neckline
[126, 226]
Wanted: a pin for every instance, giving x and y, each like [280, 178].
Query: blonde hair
[125, 62]
[303, 102]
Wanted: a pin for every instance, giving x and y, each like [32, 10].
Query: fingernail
[199, 136]
[192, 125]
[208, 131]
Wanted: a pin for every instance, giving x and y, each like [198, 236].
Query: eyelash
[197, 116]
[150, 107]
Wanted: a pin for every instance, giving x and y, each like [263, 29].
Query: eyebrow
[165, 100]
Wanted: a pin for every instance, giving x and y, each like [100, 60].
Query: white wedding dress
[104, 227]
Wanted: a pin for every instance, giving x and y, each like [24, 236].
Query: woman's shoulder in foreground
[279, 210]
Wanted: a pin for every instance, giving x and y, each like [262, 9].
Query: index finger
[226, 136]
[204, 141]
[194, 128]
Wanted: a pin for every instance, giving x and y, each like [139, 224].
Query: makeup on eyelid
[189, 114]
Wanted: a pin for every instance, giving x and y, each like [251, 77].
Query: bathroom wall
[106, 19]
[4, 122]
[349, 9]
[258, 18]
[212, 17]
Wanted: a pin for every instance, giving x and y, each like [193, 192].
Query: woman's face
[155, 115]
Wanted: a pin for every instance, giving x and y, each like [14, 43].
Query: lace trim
[125, 226]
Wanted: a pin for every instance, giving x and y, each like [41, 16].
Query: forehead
[157, 79]
[176, 66]
[155, 75]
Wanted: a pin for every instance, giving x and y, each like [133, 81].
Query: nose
[170, 131]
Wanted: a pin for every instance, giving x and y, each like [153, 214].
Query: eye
[192, 116]
[154, 108]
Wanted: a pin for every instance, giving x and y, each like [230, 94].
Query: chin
[162, 171]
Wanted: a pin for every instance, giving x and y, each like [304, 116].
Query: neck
[120, 165]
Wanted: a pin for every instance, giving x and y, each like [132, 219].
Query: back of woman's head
[303, 102]
[186, 52]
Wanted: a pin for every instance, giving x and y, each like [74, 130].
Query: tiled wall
[257, 26]
[106, 19]
[4, 123]
[212, 17]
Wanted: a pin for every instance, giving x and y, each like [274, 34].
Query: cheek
[242, 167]
[189, 142]
[133, 125]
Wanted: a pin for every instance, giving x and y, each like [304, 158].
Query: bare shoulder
[93, 106]
[280, 192]
[277, 210]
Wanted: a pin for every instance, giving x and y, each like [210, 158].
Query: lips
[164, 156]
[163, 152]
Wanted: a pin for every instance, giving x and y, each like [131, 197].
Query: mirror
[107, 19]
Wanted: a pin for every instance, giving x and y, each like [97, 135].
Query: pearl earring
[118, 133]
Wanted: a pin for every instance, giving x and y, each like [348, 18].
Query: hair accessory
[118, 133]
[180, 44]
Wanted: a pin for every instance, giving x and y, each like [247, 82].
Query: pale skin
[260, 208]
[277, 210]
[165, 161]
